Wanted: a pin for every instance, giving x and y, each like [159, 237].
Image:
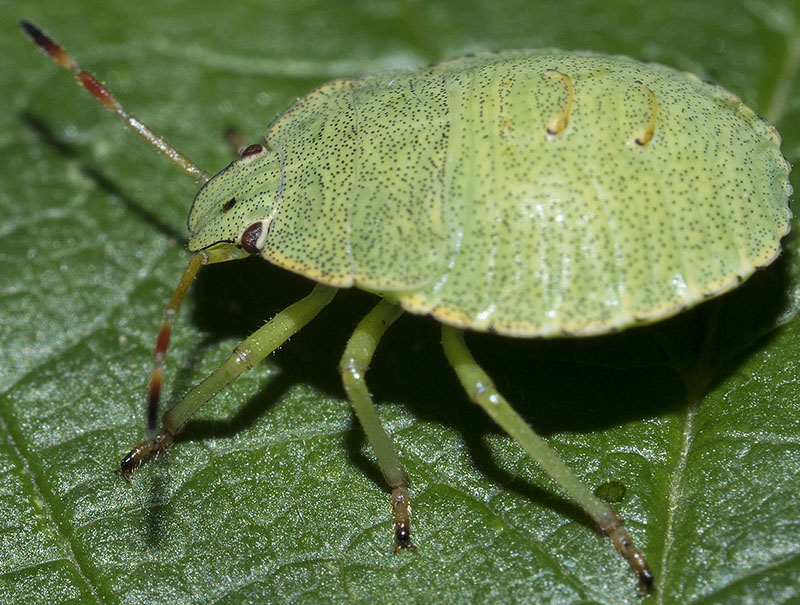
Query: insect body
[487, 192]
[528, 193]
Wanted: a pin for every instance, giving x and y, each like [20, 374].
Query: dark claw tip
[645, 582]
[127, 466]
[402, 536]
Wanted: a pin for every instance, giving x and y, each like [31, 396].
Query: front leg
[247, 353]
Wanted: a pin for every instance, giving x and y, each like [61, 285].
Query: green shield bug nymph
[533, 193]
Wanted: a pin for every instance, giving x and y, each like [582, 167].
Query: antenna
[102, 94]
[98, 90]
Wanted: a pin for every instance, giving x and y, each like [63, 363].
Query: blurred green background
[272, 493]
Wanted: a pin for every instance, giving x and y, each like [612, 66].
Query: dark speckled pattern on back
[532, 193]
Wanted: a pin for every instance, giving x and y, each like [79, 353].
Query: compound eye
[251, 152]
[254, 237]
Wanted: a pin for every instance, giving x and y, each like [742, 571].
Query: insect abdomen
[536, 192]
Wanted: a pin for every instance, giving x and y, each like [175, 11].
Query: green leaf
[272, 493]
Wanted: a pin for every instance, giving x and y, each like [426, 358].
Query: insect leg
[481, 390]
[352, 367]
[247, 354]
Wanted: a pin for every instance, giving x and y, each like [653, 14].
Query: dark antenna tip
[48, 46]
[29, 28]
[35, 34]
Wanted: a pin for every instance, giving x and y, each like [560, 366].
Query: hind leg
[481, 390]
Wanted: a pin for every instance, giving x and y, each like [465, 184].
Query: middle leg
[355, 361]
